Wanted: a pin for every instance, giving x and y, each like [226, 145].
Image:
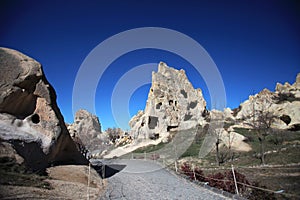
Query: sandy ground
[68, 182]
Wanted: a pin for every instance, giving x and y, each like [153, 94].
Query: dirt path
[147, 180]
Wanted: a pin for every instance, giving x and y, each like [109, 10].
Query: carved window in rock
[187, 117]
[170, 128]
[183, 92]
[152, 122]
[192, 105]
[158, 105]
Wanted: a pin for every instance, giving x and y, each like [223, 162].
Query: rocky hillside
[30, 120]
[266, 110]
[173, 104]
[283, 105]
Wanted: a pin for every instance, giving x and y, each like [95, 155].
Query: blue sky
[253, 43]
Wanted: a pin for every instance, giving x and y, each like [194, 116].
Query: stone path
[147, 180]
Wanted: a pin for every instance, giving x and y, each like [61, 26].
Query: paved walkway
[147, 180]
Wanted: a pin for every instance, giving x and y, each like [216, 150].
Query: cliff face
[173, 104]
[29, 116]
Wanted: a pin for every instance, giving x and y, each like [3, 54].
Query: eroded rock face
[173, 104]
[29, 116]
[85, 122]
[87, 129]
[284, 104]
[290, 90]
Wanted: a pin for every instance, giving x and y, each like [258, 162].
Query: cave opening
[35, 118]
[152, 122]
[170, 128]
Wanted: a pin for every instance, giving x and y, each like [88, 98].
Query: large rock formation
[283, 104]
[29, 116]
[173, 104]
[87, 129]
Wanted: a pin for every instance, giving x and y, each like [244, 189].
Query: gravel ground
[147, 180]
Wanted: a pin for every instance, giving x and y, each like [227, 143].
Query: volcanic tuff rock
[87, 128]
[291, 90]
[284, 104]
[173, 104]
[226, 135]
[29, 116]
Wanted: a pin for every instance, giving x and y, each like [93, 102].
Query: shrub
[240, 178]
[225, 181]
[216, 180]
[199, 175]
[188, 171]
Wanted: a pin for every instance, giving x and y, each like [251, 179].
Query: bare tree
[218, 139]
[231, 139]
[261, 119]
[224, 152]
[215, 130]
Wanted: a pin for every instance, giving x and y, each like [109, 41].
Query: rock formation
[29, 116]
[290, 90]
[283, 104]
[226, 134]
[173, 104]
[87, 129]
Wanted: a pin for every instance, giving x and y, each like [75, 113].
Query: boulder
[172, 104]
[29, 116]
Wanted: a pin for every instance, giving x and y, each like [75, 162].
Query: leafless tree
[261, 119]
[215, 130]
[218, 133]
[231, 138]
[224, 153]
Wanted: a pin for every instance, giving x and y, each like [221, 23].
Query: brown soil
[66, 182]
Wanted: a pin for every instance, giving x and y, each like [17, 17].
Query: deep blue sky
[253, 43]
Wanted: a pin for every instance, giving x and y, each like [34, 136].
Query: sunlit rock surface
[87, 129]
[172, 104]
[29, 116]
[284, 104]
